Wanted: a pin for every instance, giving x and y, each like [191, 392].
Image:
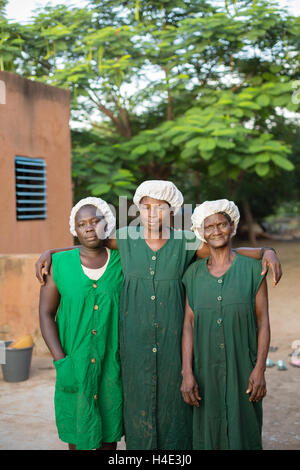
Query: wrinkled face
[154, 213]
[90, 226]
[217, 230]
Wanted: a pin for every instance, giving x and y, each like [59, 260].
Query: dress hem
[70, 440]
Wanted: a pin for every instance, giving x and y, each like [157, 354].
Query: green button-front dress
[88, 393]
[151, 319]
[225, 349]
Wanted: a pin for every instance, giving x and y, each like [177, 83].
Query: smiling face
[217, 230]
[155, 213]
[90, 226]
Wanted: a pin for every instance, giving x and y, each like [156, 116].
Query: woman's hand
[257, 385]
[270, 259]
[189, 390]
[42, 266]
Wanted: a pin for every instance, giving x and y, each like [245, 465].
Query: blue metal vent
[30, 188]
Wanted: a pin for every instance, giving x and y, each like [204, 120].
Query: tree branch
[124, 118]
[237, 87]
[119, 125]
[170, 115]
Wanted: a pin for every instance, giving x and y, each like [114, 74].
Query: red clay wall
[34, 122]
[19, 300]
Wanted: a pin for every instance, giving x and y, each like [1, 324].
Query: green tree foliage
[94, 176]
[196, 91]
[3, 4]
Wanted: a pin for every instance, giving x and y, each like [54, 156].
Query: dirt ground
[281, 429]
[26, 408]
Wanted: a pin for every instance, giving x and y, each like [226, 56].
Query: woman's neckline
[222, 275]
[101, 267]
[166, 242]
[81, 266]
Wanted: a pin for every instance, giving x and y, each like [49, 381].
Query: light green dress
[225, 349]
[151, 318]
[88, 393]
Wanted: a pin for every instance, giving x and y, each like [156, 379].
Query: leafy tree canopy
[201, 92]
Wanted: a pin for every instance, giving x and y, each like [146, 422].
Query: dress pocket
[65, 375]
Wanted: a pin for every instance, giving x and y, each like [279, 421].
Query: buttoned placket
[153, 300]
[220, 336]
[220, 320]
[93, 333]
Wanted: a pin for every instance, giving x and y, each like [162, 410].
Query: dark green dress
[225, 349]
[151, 318]
[88, 392]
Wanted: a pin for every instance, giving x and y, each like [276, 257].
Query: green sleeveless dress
[151, 318]
[88, 393]
[225, 349]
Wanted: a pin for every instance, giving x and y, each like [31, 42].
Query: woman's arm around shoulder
[269, 259]
[43, 264]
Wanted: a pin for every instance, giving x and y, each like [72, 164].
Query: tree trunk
[156, 171]
[170, 116]
[249, 222]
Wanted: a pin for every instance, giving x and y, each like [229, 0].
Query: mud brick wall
[34, 123]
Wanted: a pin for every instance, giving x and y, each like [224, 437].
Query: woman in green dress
[226, 337]
[79, 308]
[154, 258]
[151, 316]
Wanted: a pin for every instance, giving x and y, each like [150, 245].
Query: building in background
[36, 192]
[35, 165]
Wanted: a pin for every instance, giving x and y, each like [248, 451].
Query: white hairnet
[103, 208]
[159, 189]
[214, 207]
